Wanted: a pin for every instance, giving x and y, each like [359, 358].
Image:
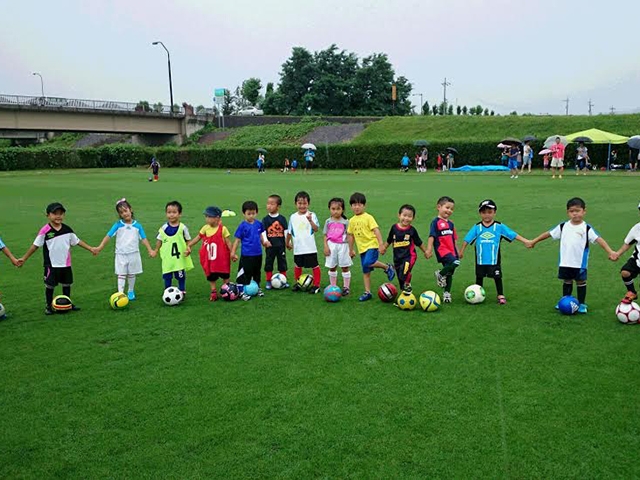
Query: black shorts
[448, 259]
[215, 276]
[308, 165]
[275, 253]
[249, 268]
[403, 270]
[306, 260]
[632, 267]
[488, 271]
[568, 273]
[54, 276]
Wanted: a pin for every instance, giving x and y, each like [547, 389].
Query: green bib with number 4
[172, 252]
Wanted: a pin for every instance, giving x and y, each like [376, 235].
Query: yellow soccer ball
[430, 301]
[118, 301]
[406, 301]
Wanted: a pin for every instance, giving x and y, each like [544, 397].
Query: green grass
[288, 386]
[467, 128]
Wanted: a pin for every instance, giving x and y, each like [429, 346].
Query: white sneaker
[516, 176]
[440, 280]
[446, 297]
[511, 176]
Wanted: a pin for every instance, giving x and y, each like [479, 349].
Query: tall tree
[465, 110]
[486, 112]
[425, 108]
[458, 110]
[435, 109]
[296, 79]
[228, 105]
[450, 110]
[250, 90]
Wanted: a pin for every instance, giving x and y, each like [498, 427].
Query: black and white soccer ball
[172, 296]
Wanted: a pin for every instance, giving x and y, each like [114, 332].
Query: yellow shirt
[208, 231]
[361, 227]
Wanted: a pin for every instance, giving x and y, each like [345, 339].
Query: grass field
[288, 386]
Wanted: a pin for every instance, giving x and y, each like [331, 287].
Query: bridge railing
[75, 104]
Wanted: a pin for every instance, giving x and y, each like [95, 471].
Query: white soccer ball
[474, 294]
[279, 281]
[172, 296]
[628, 313]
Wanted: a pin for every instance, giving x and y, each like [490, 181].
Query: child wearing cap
[487, 236]
[215, 252]
[56, 238]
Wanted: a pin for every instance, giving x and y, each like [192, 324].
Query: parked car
[250, 111]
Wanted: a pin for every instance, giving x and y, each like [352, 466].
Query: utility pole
[170, 82]
[445, 84]
[41, 82]
[612, 109]
[566, 106]
[590, 106]
[421, 103]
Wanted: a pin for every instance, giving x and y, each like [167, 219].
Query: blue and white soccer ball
[568, 305]
[279, 281]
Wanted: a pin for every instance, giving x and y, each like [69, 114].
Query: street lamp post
[170, 83]
[41, 82]
[421, 103]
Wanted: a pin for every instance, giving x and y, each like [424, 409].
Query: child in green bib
[172, 244]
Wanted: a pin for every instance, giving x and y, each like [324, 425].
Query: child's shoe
[446, 297]
[131, 295]
[629, 297]
[345, 291]
[313, 290]
[296, 287]
[390, 271]
[582, 308]
[260, 293]
[214, 296]
[502, 300]
[407, 288]
[365, 296]
[75, 308]
[440, 280]
[245, 297]
[268, 286]
[48, 310]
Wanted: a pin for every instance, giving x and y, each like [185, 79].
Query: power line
[445, 84]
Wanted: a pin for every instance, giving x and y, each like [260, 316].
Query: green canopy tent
[601, 137]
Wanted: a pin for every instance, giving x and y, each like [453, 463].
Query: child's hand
[234, 258]
[20, 262]
[95, 251]
[327, 251]
[461, 255]
[16, 262]
[382, 250]
[289, 246]
[529, 244]
[352, 253]
[425, 255]
[152, 253]
[187, 251]
[428, 254]
[267, 244]
[613, 256]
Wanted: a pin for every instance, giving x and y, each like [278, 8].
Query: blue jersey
[249, 235]
[487, 240]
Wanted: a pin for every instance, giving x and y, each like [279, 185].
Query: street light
[41, 82]
[170, 83]
[421, 103]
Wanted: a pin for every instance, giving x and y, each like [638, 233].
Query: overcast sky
[504, 54]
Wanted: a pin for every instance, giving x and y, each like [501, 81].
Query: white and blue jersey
[128, 236]
[487, 240]
[574, 243]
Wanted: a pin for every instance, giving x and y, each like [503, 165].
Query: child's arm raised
[234, 247]
[314, 226]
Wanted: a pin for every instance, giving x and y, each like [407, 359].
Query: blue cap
[213, 212]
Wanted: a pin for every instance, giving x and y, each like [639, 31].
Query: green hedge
[330, 157]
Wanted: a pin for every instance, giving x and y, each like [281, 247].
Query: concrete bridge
[148, 125]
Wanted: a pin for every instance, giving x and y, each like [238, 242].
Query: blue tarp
[480, 168]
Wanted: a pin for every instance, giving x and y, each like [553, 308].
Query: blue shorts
[368, 258]
[513, 164]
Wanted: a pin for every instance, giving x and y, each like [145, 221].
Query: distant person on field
[425, 158]
[527, 157]
[294, 165]
[504, 159]
[514, 151]
[450, 160]
[404, 163]
[545, 161]
[582, 159]
[439, 162]
[418, 161]
[309, 156]
[557, 158]
[155, 169]
[286, 165]
[260, 163]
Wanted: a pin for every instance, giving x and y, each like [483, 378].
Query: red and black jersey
[444, 238]
[404, 241]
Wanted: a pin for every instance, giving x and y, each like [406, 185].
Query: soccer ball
[229, 292]
[3, 312]
[118, 300]
[429, 301]
[305, 281]
[251, 289]
[628, 313]
[568, 305]
[406, 301]
[278, 281]
[387, 292]
[172, 296]
[61, 304]
[332, 293]
[474, 294]
[151, 179]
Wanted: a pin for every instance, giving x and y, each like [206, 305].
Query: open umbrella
[511, 141]
[544, 152]
[634, 142]
[308, 146]
[582, 139]
[529, 138]
[261, 150]
[452, 150]
[502, 145]
[552, 140]
[420, 143]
